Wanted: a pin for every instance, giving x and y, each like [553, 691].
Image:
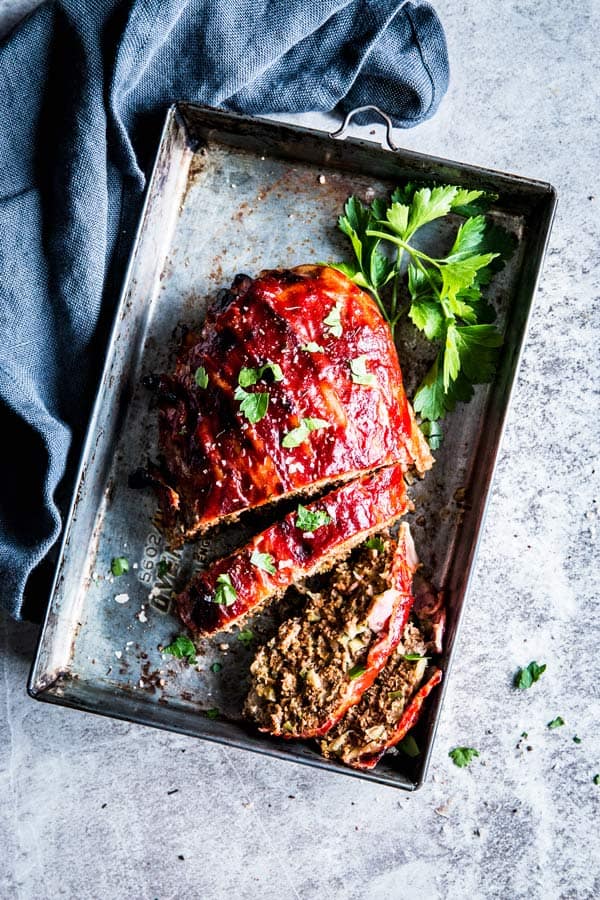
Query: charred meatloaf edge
[299, 332]
[353, 512]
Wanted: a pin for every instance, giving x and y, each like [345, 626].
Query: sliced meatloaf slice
[292, 385]
[389, 709]
[305, 542]
[320, 663]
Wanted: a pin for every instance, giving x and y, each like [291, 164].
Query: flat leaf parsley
[463, 756]
[443, 296]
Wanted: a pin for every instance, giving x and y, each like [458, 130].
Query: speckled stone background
[91, 808]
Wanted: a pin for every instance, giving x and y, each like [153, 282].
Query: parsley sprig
[443, 296]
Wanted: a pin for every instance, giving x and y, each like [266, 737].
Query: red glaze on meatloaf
[320, 352]
[353, 512]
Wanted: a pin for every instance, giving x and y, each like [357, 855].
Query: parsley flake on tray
[182, 648]
[442, 296]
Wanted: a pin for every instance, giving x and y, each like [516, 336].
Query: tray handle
[341, 131]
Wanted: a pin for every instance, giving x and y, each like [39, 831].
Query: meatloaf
[307, 540]
[292, 386]
[320, 663]
[389, 709]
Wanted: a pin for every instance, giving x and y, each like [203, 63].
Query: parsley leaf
[355, 672]
[409, 746]
[213, 713]
[358, 368]
[298, 435]
[263, 561]
[252, 406]
[248, 377]
[375, 543]
[246, 636]
[445, 298]
[163, 567]
[225, 593]
[557, 722]
[201, 377]
[333, 320]
[307, 520]
[119, 565]
[182, 648]
[527, 676]
[463, 756]
[596, 779]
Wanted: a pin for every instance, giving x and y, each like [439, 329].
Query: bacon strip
[408, 719]
[356, 509]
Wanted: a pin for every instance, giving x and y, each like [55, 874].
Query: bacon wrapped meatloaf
[291, 387]
[320, 663]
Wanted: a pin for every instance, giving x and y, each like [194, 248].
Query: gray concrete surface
[92, 808]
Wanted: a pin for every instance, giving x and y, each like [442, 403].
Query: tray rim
[175, 116]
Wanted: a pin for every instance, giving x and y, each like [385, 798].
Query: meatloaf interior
[303, 677]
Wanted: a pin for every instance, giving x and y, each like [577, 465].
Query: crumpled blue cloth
[84, 85]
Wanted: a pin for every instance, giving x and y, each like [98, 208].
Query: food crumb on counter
[121, 598]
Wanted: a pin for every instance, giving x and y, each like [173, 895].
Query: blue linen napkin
[84, 86]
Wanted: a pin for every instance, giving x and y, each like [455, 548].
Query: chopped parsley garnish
[527, 676]
[409, 746]
[119, 565]
[557, 722]
[313, 347]
[225, 593]
[375, 543]
[307, 520]
[213, 713]
[246, 636]
[298, 435]
[443, 297]
[201, 377]
[358, 368]
[576, 740]
[356, 672]
[524, 734]
[263, 561]
[216, 667]
[333, 320]
[463, 756]
[163, 567]
[248, 377]
[596, 779]
[182, 648]
[395, 695]
[252, 406]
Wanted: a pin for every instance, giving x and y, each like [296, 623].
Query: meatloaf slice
[389, 709]
[320, 663]
[288, 551]
[292, 385]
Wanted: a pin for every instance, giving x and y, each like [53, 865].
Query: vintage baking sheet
[231, 194]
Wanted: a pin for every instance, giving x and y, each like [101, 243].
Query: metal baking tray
[233, 194]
